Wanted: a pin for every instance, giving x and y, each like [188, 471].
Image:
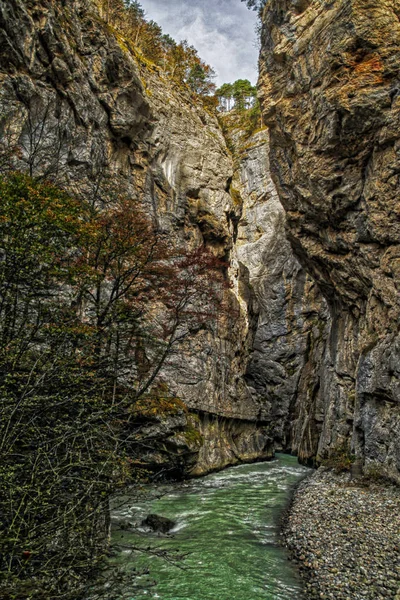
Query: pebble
[346, 537]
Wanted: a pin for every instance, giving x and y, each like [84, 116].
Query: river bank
[346, 538]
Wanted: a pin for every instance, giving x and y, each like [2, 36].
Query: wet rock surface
[346, 538]
[158, 523]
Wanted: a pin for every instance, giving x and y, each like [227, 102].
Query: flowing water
[227, 526]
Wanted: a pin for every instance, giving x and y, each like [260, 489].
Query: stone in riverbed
[158, 523]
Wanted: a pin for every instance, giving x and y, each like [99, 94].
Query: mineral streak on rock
[330, 95]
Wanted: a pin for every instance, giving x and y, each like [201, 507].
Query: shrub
[340, 459]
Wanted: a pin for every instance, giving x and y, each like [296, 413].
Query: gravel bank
[346, 538]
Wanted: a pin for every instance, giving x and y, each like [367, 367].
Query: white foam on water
[179, 526]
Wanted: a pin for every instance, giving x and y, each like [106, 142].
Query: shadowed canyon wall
[330, 95]
[289, 316]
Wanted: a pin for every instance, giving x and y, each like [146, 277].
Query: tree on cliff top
[257, 5]
[225, 96]
[199, 79]
[180, 61]
[241, 92]
[239, 107]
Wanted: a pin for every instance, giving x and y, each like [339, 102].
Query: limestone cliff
[80, 104]
[330, 95]
[83, 106]
[288, 319]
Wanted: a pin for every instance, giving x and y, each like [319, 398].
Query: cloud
[223, 32]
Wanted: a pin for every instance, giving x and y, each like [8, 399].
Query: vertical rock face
[290, 319]
[76, 98]
[330, 87]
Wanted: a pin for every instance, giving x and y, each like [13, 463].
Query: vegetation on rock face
[240, 95]
[180, 61]
[93, 302]
[340, 459]
[239, 109]
[158, 403]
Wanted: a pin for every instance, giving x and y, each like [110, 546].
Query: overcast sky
[223, 32]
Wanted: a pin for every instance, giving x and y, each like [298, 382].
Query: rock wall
[84, 108]
[290, 319]
[296, 369]
[330, 95]
[228, 442]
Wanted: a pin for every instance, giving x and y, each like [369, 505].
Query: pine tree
[244, 94]
[257, 5]
[199, 79]
[225, 96]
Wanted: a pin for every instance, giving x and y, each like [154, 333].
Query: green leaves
[240, 95]
[178, 60]
[199, 79]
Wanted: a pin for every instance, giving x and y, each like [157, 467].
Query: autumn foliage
[93, 303]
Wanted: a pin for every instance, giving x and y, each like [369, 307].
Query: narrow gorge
[297, 218]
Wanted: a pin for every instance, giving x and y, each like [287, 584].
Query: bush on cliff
[179, 61]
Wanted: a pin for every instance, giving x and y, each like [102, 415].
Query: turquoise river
[227, 529]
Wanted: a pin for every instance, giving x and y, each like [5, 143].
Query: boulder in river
[158, 523]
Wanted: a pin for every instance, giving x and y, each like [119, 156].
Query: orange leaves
[27, 203]
[179, 61]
